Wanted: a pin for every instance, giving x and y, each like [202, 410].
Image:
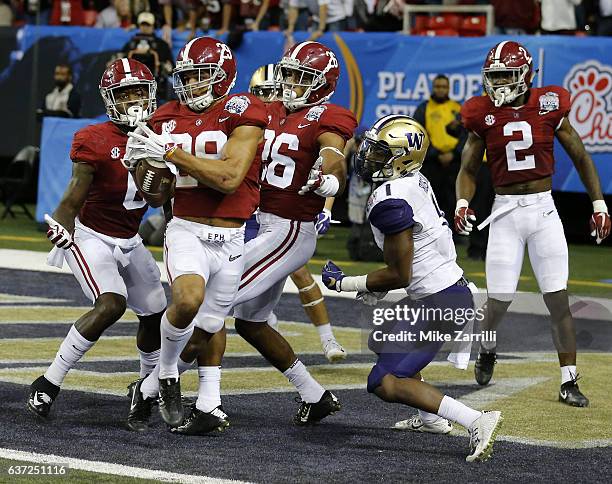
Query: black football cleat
[483, 369]
[201, 423]
[570, 394]
[170, 404]
[140, 408]
[310, 413]
[42, 395]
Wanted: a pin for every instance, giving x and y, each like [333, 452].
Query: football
[155, 181]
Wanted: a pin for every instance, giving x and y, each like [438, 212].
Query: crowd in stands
[581, 17]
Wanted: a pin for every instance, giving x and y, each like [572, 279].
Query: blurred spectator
[327, 16]
[207, 16]
[67, 12]
[185, 13]
[152, 51]
[248, 13]
[117, 14]
[599, 13]
[388, 16]
[517, 17]
[31, 7]
[63, 101]
[559, 16]
[6, 14]
[443, 158]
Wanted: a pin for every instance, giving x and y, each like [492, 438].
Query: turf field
[541, 439]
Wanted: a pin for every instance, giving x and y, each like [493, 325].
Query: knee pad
[209, 323]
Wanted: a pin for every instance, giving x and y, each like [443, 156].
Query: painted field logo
[590, 86]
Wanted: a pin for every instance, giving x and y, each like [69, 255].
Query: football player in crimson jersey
[303, 163]
[212, 139]
[95, 228]
[264, 86]
[517, 124]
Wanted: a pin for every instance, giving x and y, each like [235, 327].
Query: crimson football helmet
[128, 73]
[312, 67]
[205, 71]
[507, 72]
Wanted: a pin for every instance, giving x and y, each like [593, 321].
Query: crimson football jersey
[519, 141]
[290, 151]
[204, 134]
[113, 206]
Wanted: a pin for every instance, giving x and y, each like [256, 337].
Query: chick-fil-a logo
[590, 86]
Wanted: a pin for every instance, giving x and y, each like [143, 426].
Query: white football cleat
[482, 436]
[415, 424]
[334, 352]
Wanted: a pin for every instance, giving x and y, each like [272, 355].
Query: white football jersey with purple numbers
[410, 202]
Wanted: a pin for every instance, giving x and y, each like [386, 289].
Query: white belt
[510, 202]
[210, 233]
[56, 256]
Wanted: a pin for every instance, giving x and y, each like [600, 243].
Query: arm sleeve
[255, 113]
[392, 216]
[469, 116]
[337, 120]
[82, 149]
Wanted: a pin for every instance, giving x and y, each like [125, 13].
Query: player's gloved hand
[57, 234]
[155, 145]
[370, 298]
[323, 222]
[134, 152]
[332, 276]
[322, 185]
[464, 216]
[600, 221]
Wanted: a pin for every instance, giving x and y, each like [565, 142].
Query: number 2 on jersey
[130, 202]
[528, 162]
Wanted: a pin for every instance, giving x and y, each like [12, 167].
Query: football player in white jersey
[420, 258]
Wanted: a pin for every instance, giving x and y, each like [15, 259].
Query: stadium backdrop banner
[381, 73]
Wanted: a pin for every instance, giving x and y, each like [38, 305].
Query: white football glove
[134, 152]
[57, 234]
[370, 298]
[154, 145]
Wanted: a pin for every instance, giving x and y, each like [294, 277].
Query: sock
[488, 346]
[325, 332]
[150, 385]
[455, 411]
[209, 390]
[173, 340]
[308, 388]
[147, 361]
[70, 352]
[183, 366]
[427, 417]
[568, 373]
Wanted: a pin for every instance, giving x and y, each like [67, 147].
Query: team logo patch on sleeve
[115, 152]
[549, 102]
[237, 105]
[169, 126]
[489, 120]
[314, 113]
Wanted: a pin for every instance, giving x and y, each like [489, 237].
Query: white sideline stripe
[525, 302]
[110, 468]
[558, 444]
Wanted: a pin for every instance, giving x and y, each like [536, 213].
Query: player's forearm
[387, 279]
[220, 175]
[65, 214]
[465, 185]
[588, 174]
